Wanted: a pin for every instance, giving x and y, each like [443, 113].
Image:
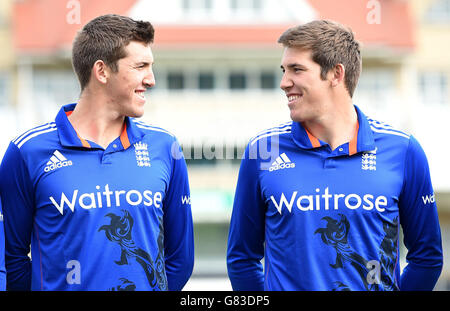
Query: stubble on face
[302, 83]
[129, 84]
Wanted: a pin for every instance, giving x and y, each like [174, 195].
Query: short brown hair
[105, 38]
[330, 44]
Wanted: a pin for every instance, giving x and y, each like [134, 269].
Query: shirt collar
[70, 138]
[362, 141]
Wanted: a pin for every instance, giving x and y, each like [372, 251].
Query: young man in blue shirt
[325, 209]
[101, 197]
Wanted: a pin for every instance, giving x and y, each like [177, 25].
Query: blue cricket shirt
[96, 219]
[327, 219]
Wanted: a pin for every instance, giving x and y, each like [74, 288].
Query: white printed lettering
[91, 203]
[138, 195]
[185, 199]
[91, 200]
[309, 199]
[427, 199]
[352, 201]
[284, 201]
[64, 200]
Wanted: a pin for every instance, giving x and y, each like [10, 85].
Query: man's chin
[134, 114]
[137, 114]
[296, 117]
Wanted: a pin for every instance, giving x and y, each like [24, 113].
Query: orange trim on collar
[353, 144]
[83, 141]
[124, 137]
[314, 141]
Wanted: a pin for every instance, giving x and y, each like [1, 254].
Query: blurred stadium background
[217, 76]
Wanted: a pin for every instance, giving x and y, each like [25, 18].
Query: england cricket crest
[142, 156]
[369, 160]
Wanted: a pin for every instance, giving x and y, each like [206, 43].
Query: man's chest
[72, 179]
[299, 183]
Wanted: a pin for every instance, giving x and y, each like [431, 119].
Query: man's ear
[337, 75]
[100, 71]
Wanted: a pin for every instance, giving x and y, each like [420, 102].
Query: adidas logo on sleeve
[281, 162]
[57, 160]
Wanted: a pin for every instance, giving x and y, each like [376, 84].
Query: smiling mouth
[293, 98]
[140, 94]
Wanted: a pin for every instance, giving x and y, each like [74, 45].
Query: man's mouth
[294, 97]
[140, 94]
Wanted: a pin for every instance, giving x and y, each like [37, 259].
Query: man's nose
[285, 82]
[149, 79]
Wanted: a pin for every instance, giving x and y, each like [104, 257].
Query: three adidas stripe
[281, 162]
[57, 160]
[56, 157]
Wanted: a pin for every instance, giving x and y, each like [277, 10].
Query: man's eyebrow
[138, 63]
[292, 65]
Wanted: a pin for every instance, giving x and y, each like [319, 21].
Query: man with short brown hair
[330, 43]
[325, 214]
[102, 197]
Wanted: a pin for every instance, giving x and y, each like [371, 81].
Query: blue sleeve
[246, 234]
[420, 223]
[2, 253]
[17, 200]
[178, 225]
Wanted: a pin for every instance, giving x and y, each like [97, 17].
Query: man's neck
[92, 120]
[336, 127]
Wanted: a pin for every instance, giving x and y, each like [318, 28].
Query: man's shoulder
[382, 129]
[153, 130]
[36, 136]
[281, 129]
